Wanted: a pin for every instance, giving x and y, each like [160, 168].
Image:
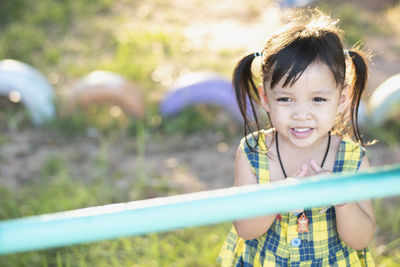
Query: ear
[344, 99]
[263, 97]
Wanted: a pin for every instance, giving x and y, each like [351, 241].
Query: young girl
[309, 86]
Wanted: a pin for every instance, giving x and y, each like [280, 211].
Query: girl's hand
[300, 173]
[294, 179]
[317, 169]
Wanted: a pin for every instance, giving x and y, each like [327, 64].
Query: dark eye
[284, 99]
[319, 99]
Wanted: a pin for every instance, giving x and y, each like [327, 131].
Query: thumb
[300, 173]
[317, 169]
[314, 165]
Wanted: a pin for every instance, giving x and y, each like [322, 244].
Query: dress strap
[349, 156]
[258, 159]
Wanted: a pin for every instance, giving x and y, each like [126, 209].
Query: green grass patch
[57, 191]
[388, 230]
[190, 247]
[69, 39]
[356, 22]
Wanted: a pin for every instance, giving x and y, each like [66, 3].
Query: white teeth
[302, 130]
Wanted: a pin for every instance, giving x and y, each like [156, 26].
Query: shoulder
[350, 146]
[257, 140]
[252, 158]
[350, 156]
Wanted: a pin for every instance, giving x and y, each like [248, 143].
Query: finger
[317, 169]
[314, 165]
[300, 173]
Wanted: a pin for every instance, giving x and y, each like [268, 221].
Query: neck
[323, 145]
[287, 147]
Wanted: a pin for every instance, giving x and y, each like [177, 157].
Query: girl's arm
[356, 221]
[254, 227]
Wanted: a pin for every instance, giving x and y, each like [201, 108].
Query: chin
[303, 142]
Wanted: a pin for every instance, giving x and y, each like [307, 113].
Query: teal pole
[209, 207]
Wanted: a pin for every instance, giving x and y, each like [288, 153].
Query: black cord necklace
[279, 156]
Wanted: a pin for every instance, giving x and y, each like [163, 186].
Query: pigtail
[246, 94]
[359, 82]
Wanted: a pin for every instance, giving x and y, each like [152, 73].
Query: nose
[301, 111]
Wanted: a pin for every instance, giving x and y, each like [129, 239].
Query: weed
[76, 37]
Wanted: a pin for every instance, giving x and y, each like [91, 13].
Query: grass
[175, 248]
[392, 16]
[68, 39]
[387, 253]
[356, 27]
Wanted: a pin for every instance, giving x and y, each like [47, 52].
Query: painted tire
[383, 99]
[37, 94]
[200, 88]
[362, 114]
[105, 87]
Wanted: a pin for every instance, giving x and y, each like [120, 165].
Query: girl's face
[304, 113]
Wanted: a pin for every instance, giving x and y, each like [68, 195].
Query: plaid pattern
[321, 246]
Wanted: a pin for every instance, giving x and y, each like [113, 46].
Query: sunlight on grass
[165, 249]
[149, 43]
[393, 16]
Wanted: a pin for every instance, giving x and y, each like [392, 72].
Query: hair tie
[346, 53]
[257, 54]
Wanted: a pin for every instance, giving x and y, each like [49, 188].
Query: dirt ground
[199, 162]
[196, 163]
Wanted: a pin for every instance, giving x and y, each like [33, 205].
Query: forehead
[316, 77]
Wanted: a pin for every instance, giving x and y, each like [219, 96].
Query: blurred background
[93, 112]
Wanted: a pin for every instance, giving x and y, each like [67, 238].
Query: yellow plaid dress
[282, 245]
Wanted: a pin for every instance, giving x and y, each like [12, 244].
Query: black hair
[287, 54]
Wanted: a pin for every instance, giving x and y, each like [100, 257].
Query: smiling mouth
[301, 130]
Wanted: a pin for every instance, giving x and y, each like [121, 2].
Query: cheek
[277, 111]
[328, 115]
[279, 115]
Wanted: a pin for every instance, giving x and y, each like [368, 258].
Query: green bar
[209, 207]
